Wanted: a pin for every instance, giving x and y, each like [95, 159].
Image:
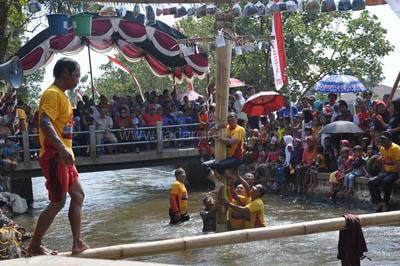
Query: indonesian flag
[278, 57]
[124, 68]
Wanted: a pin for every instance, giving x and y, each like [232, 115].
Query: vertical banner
[278, 57]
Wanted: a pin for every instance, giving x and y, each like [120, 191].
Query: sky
[384, 13]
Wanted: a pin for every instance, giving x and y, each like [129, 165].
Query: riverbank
[360, 199]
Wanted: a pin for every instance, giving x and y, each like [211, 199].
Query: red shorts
[60, 178]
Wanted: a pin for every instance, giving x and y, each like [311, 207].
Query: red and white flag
[278, 57]
[119, 64]
[124, 68]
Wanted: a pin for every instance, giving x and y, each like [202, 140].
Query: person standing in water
[178, 198]
[57, 158]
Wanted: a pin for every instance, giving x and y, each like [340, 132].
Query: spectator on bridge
[103, 104]
[390, 155]
[232, 136]
[239, 102]
[104, 123]
[151, 117]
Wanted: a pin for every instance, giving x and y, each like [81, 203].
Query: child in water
[178, 198]
[208, 214]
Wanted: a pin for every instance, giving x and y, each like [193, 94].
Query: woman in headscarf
[239, 102]
[288, 141]
[295, 159]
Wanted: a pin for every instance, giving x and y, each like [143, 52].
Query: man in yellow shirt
[178, 199]
[233, 137]
[254, 211]
[390, 156]
[57, 158]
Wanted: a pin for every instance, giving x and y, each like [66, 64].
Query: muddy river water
[130, 206]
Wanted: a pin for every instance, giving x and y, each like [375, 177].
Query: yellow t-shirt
[56, 105]
[178, 197]
[256, 208]
[236, 150]
[391, 157]
[236, 220]
[21, 115]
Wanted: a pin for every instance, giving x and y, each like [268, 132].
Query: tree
[316, 45]
[30, 90]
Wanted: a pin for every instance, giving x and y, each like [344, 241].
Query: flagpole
[91, 72]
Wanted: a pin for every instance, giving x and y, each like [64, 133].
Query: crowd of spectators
[286, 145]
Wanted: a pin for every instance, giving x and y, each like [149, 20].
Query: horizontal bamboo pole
[234, 237]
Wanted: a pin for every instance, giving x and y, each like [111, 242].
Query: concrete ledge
[70, 261]
[116, 161]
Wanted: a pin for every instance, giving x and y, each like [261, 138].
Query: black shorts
[184, 218]
[221, 166]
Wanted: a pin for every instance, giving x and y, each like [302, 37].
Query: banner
[278, 57]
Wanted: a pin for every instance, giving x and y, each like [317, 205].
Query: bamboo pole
[234, 237]
[224, 23]
[394, 88]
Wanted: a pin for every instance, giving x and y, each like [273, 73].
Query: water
[130, 206]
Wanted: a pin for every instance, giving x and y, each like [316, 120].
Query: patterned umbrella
[262, 103]
[339, 84]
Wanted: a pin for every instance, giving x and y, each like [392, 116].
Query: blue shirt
[285, 111]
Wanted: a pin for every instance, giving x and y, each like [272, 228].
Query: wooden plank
[240, 236]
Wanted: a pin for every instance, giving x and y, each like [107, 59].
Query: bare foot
[79, 248]
[40, 250]
[218, 187]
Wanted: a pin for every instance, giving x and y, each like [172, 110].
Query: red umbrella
[235, 83]
[262, 103]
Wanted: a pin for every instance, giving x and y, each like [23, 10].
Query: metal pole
[91, 72]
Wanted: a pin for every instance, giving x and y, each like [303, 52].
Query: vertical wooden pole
[223, 54]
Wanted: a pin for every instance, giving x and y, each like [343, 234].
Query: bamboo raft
[235, 237]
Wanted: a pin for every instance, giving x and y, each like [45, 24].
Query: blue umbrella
[339, 84]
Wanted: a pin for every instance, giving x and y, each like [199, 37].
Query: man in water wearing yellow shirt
[178, 199]
[254, 211]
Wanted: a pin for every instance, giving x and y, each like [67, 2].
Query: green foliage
[316, 45]
[116, 82]
[31, 89]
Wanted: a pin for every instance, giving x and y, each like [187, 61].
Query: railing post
[92, 139]
[159, 136]
[25, 145]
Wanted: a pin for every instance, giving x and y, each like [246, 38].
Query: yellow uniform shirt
[236, 150]
[178, 198]
[390, 157]
[256, 208]
[21, 115]
[56, 105]
[236, 220]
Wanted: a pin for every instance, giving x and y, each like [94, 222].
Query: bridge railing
[154, 138]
